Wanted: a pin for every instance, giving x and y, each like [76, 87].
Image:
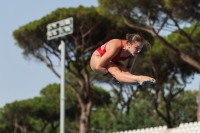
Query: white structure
[146, 130]
[55, 30]
[60, 28]
[192, 127]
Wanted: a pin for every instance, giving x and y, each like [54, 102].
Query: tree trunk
[22, 128]
[198, 110]
[84, 121]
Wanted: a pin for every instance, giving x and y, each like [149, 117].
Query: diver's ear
[128, 44]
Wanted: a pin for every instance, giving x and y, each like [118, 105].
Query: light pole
[55, 30]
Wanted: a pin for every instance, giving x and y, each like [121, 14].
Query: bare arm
[130, 63]
[142, 80]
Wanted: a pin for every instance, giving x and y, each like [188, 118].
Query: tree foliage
[158, 16]
[171, 74]
[90, 31]
[141, 115]
[42, 114]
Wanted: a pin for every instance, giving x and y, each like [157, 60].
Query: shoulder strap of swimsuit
[104, 49]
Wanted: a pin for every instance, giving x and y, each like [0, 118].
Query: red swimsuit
[117, 57]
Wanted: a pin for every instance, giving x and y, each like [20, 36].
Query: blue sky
[19, 78]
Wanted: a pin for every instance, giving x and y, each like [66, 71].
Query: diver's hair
[132, 38]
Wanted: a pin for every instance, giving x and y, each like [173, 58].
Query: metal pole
[55, 30]
[62, 88]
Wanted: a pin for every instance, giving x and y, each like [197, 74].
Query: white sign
[60, 28]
